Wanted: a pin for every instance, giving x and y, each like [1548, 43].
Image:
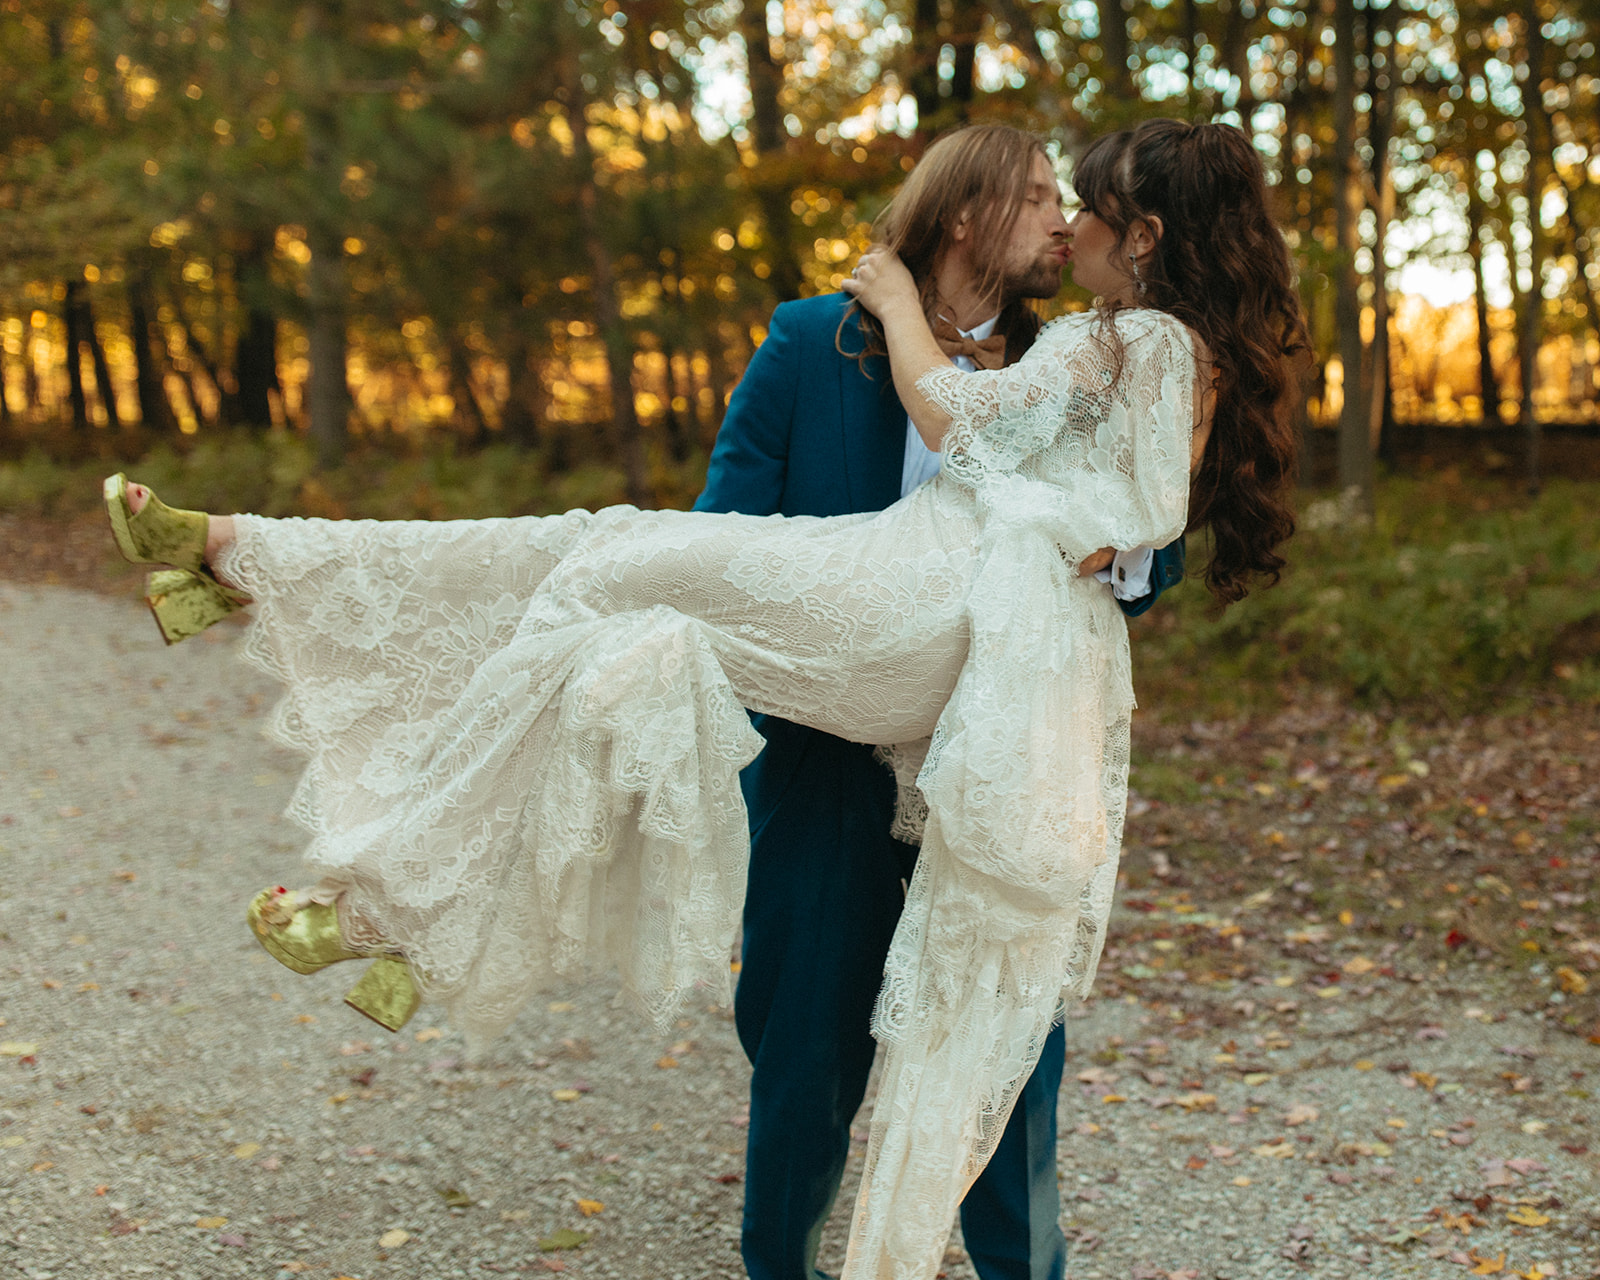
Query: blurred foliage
[1456, 598]
[208, 192]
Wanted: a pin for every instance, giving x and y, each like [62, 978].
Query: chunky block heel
[386, 993]
[185, 603]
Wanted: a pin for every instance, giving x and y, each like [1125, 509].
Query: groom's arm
[1166, 570]
[750, 461]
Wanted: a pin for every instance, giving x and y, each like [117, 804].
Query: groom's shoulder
[812, 317]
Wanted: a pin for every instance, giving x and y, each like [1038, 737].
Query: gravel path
[171, 1102]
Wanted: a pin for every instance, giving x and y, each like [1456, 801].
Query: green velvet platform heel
[305, 937]
[185, 599]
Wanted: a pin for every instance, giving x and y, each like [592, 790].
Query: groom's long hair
[980, 173]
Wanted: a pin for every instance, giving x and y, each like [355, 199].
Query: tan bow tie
[986, 353]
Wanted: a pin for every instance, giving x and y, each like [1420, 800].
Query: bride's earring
[1137, 278]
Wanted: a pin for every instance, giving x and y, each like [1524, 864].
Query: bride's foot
[187, 599]
[303, 934]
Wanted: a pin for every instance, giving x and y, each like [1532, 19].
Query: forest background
[417, 257]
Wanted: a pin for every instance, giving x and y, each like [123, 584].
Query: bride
[525, 735]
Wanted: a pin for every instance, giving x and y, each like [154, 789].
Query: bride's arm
[884, 287]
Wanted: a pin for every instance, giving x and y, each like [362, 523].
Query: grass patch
[1455, 598]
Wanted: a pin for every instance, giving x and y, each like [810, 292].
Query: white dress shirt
[1129, 574]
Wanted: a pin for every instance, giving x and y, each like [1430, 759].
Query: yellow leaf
[1241, 1181]
[88, 986]
[393, 1238]
[1359, 965]
[246, 1149]
[305, 1019]
[210, 1224]
[1113, 1097]
[1328, 993]
[588, 1208]
[1257, 1077]
[1487, 1266]
[1197, 1101]
[562, 1006]
[1347, 918]
[1572, 982]
[666, 1063]
[565, 1095]
[427, 1034]
[17, 1048]
[1425, 1078]
[1364, 1064]
[1526, 1216]
[1394, 1122]
[338, 1098]
[1283, 980]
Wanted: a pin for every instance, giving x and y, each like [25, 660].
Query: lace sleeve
[1113, 442]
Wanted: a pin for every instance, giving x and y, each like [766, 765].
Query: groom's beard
[1039, 279]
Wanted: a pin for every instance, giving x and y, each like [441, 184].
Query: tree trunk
[525, 396]
[327, 394]
[1192, 41]
[1530, 329]
[73, 313]
[627, 435]
[1488, 380]
[1380, 88]
[1235, 56]
[926, 43]
[469, 411]
[102, 370]
[255, 355]
[155, 410]
[965, 25]
[1355, 442]
[768, 139]
[327, 390]
[1114, 43]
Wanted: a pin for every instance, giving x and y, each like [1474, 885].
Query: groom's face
[1036, 251]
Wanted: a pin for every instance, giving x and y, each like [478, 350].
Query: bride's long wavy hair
[1221, 266]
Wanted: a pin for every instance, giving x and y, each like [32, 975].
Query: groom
[814, 428]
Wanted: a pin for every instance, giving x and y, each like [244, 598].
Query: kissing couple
[525, 737]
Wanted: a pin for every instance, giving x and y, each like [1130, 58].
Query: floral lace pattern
[524, 736]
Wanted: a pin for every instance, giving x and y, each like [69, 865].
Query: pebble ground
[173, 1103]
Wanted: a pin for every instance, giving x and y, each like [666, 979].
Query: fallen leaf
[236, 1241]
[17, 1048]
[565, 1095]
[667, 1062]
[1526, 1216]
[455, 1197]
[427, 1034]
[1300, 1113]
[562, 1006]
[245, 1150]
[564, 1238]
[210, 1224]
[393, 1238]
[588, 1208]
[1194, 1162]
[1279, 1149]
[1487, 1266]
[1572, 982]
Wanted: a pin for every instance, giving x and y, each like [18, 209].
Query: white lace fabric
[524, 736]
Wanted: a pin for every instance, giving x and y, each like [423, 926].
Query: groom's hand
[1101, 559]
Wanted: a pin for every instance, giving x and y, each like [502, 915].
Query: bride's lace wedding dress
[525, 735]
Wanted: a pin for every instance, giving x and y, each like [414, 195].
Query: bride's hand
[880, 282]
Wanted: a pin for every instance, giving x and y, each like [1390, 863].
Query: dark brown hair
[1221, 267]
[979, 173]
